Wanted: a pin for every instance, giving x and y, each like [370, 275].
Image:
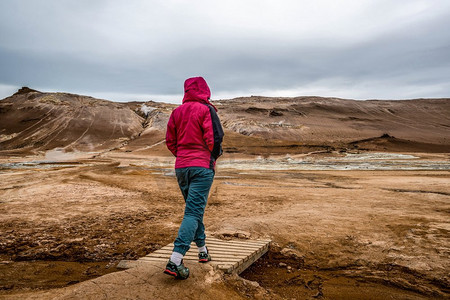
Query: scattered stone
[229, 234]
[243, 235]
[291, 253]
[25, 90]
[254, 284]
[75, 240]
[282, 265]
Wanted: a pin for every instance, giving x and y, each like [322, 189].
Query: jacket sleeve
[213, 132]
[171, 135]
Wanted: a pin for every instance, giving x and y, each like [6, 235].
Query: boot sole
[170, 273]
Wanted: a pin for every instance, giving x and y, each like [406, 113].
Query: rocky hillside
[32, 121]
[339, 122]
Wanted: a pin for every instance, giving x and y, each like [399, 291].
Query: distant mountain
[397, 125]
[32, 121]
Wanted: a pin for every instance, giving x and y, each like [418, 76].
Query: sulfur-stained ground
[336, 234]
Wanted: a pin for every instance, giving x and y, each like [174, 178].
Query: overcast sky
[145, 49]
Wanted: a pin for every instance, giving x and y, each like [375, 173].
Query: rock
[291, 253]
[25, 90]
[75, 240]
[229, 234]
[243, 235]
[225, 234]
[254, 284]
[282, 265]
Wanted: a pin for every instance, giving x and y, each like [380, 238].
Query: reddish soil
[336, 234]
[369, 227]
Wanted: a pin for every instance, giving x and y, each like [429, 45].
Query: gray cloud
[140, 49]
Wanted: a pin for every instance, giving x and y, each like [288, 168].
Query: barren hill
[422, 124]
[64, 223]
[33, 121]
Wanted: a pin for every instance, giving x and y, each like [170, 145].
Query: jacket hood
[196, 89]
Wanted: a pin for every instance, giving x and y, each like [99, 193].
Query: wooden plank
[228, 246]
[226, 268]
[211, 250]
[231, 246]
[210, 246]
[249, 262]
[242, 242]
[213, 258]
[221, 243]
[230, 259]
[213, 254]
[236, 242]
[230, 256]
[229, 270]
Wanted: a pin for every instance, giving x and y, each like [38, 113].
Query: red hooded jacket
[194, 133]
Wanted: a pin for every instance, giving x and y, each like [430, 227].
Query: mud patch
[83, 239]
[37, 275]
[292, 279]
[355, 239]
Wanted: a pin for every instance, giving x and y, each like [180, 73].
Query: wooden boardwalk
[232, 256]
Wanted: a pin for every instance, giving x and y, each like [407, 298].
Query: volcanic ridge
[33, 122]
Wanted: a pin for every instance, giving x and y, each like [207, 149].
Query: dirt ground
[337, 234]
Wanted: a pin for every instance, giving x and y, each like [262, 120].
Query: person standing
[194, 136]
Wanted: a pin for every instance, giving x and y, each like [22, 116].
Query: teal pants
[195, 183]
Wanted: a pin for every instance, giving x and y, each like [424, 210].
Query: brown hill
[314, 121]
[33, 121]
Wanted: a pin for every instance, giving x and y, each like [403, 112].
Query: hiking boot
[179, 272]
[204, 257]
